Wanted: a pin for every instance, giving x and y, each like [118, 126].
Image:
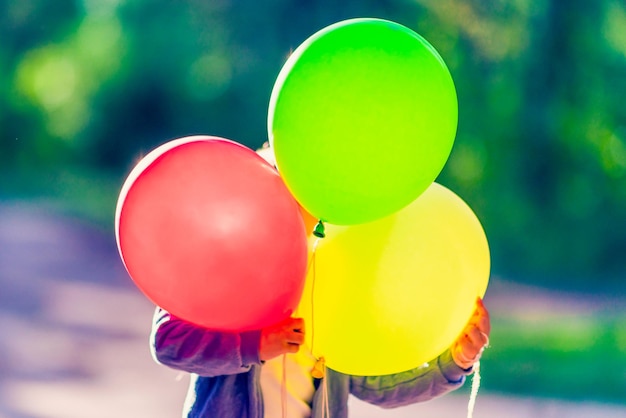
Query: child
[228, 379]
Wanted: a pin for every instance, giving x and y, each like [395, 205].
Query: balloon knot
[319, 368]
[319, 230]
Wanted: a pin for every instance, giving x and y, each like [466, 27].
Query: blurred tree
[534, 78]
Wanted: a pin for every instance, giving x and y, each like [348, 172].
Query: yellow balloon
[386, 296]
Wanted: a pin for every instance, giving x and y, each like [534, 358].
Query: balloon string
[312, 265]
[325, 403]
[319, 369]
[283, 388]
[474, 391]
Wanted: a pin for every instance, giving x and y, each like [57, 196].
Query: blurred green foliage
[89, 86]
[568, 358]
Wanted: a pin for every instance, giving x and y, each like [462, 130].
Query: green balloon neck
[319, 230]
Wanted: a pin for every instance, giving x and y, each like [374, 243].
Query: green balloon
[362, 119]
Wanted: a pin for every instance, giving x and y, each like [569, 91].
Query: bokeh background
[87, 87]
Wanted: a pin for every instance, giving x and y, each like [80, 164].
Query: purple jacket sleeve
[191, 348]
[423, 383]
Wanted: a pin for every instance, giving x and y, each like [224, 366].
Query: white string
[326, 412]
[312, 264]
[474, 391]
[283, 388]
[320, 364]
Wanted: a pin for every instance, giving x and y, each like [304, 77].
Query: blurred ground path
[74, 332]
[73, 329]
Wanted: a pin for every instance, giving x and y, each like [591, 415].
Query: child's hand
[281, 338]
[469, 346]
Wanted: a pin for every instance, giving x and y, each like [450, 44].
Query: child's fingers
[477, 338]
[465, 353]
[297, 324]
[483, 323]
[295, 337]
[292, 348]
[480, 318]
[480, 308]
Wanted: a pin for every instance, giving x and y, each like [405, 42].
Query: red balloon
[207, 230]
